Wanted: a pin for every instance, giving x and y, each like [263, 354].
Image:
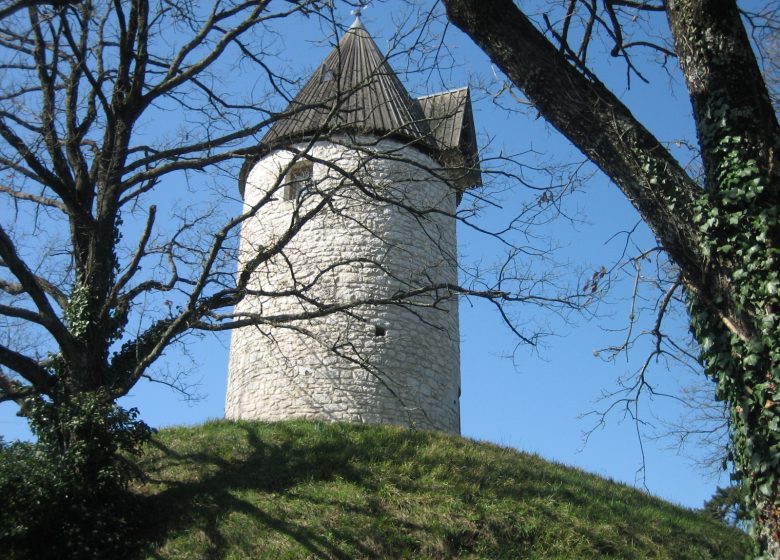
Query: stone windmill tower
[369, 179]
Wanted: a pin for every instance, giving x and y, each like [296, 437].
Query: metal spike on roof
[354, 90]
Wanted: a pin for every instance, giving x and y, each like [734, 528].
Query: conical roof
[354, 90]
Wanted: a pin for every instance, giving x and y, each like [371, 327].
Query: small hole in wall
[379, 330]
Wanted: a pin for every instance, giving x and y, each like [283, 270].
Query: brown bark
[724, 82]
[595, 121]
[603, 128]
[731, 108]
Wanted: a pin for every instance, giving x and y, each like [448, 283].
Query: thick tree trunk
[739, 140]
[724, 82]
[723, 238]
[594, 120]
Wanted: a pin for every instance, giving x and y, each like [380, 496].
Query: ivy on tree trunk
[724, 237]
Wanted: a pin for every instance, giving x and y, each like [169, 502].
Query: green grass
[310, 490]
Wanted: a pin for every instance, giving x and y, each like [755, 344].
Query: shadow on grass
[267, 468]
[394, 473]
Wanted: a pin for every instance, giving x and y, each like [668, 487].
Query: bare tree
[722, 234]
[80, 84]
[111, 114]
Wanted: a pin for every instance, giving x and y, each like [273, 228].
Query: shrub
[65, 496]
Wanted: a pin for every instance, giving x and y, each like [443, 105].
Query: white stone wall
[388, 236]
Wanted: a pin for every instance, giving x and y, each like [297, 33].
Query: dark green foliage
[739, 224]
[26, 486]
[727, 505]
[66, 495]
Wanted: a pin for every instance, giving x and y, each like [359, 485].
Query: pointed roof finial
[355, 90]
[358, 11]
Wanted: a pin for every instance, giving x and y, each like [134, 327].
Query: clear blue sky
[533, 399]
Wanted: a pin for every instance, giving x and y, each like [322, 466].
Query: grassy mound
[311, 490]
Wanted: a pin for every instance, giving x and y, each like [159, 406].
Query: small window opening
[326, 75]
[298, 181]
[379, 330]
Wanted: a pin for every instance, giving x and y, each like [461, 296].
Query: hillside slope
[310, 490]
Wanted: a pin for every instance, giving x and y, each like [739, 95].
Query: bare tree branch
[29, 282]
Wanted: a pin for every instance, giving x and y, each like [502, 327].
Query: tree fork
[723, 238]
[593, 119]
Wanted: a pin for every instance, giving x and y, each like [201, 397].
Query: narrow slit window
[298, 181]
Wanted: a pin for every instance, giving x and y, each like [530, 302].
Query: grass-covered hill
[311, 490]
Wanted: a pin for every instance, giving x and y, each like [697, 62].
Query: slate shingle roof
[356, 91]
[450, 120]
